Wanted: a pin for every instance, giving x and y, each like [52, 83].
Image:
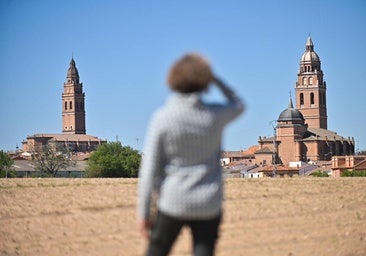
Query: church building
[302, 134]
[73, 136]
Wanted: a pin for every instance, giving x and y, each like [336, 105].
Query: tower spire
[290, 105]
[310, 88]
[309, 44]
[73, 99]
[72, 73]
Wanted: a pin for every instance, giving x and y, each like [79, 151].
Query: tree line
[110, 159]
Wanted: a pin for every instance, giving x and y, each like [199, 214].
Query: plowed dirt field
[291, 216]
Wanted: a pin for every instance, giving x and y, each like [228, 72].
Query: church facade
[73, 135]
[302, 134]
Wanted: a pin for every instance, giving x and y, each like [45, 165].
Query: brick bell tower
[73, 99]
[310, 89]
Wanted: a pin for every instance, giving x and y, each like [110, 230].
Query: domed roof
[310, 54]
[72, 72]
[290, 114]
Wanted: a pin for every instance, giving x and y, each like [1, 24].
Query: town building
[302, 133]
[73, 136]
[242, 156]
[348, 163]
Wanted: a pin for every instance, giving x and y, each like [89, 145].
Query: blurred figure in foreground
[181, 161]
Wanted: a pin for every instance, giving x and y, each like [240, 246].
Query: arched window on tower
[301, 99]
[310, 80]
[304, 80]
[65, 105]
[70, 104]
[312, 98]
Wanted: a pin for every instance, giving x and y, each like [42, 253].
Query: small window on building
[301, 99]
[65, 105]
[310, 80]
[304, 80]
[312, 98]
[70, 104]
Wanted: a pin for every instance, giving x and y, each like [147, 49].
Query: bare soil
[291, 216]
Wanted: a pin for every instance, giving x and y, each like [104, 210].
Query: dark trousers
[166, 230]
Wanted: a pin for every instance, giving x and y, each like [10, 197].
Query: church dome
[310, 54]
[72, 73]
[290, 114]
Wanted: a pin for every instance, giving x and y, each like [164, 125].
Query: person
[180, 162]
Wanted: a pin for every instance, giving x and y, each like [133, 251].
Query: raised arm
[228, 93]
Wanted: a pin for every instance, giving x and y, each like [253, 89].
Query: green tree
[49, 160]
[113, 160]
[6, 164]
[350, 173]
[319, 173]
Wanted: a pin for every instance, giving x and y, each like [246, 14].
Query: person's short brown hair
[191, 73]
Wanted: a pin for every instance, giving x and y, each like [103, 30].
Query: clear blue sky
[123, 50]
